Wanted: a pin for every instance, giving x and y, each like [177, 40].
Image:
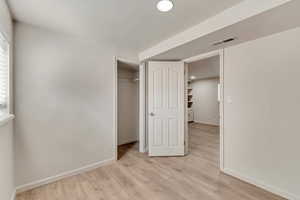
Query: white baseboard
[262, 185]
[13, 195]
[35, 184]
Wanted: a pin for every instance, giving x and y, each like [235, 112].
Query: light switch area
[219, 92]
[229, 99]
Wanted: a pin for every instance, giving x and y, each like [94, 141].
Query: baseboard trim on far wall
[35, 184]
[206, 123]
[262, 185]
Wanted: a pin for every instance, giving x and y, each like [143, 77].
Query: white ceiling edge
[228, 17]
[203, 56]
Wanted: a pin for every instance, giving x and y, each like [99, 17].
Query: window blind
[4, 74]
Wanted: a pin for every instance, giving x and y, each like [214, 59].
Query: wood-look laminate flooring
[138, 177]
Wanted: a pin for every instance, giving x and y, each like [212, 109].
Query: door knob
[152, 114]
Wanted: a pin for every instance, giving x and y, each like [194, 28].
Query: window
[4, 75]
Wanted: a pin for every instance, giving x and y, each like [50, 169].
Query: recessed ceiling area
[275, 20]
[132, 25]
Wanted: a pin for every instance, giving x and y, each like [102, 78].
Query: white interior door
[166, 108]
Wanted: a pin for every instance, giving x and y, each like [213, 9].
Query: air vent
[224, 41]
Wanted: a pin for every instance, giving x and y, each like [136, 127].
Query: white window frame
[6, 115]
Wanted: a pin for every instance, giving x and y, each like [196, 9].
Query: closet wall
[128, 116]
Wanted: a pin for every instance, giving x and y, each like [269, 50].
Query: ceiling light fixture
[164, 5]
[193, 77]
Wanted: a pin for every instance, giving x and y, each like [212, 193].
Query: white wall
[6, 131]
[6, 162]
[64, 103]
[128, 107]
[205, 98]
[262, 121]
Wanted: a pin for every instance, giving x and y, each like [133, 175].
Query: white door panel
[166, 108]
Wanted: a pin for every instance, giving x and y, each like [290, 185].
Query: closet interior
[128, 104]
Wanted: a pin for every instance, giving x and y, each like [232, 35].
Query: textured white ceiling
[133, 25]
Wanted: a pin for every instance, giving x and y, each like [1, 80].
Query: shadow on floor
[123, 149]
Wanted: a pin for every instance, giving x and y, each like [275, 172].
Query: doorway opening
[168, 104]
[204, 108]
[127, 107]
[204, 113]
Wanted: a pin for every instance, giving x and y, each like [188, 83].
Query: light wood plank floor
[137, 177]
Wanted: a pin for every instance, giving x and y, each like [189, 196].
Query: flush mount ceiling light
[164, 5]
